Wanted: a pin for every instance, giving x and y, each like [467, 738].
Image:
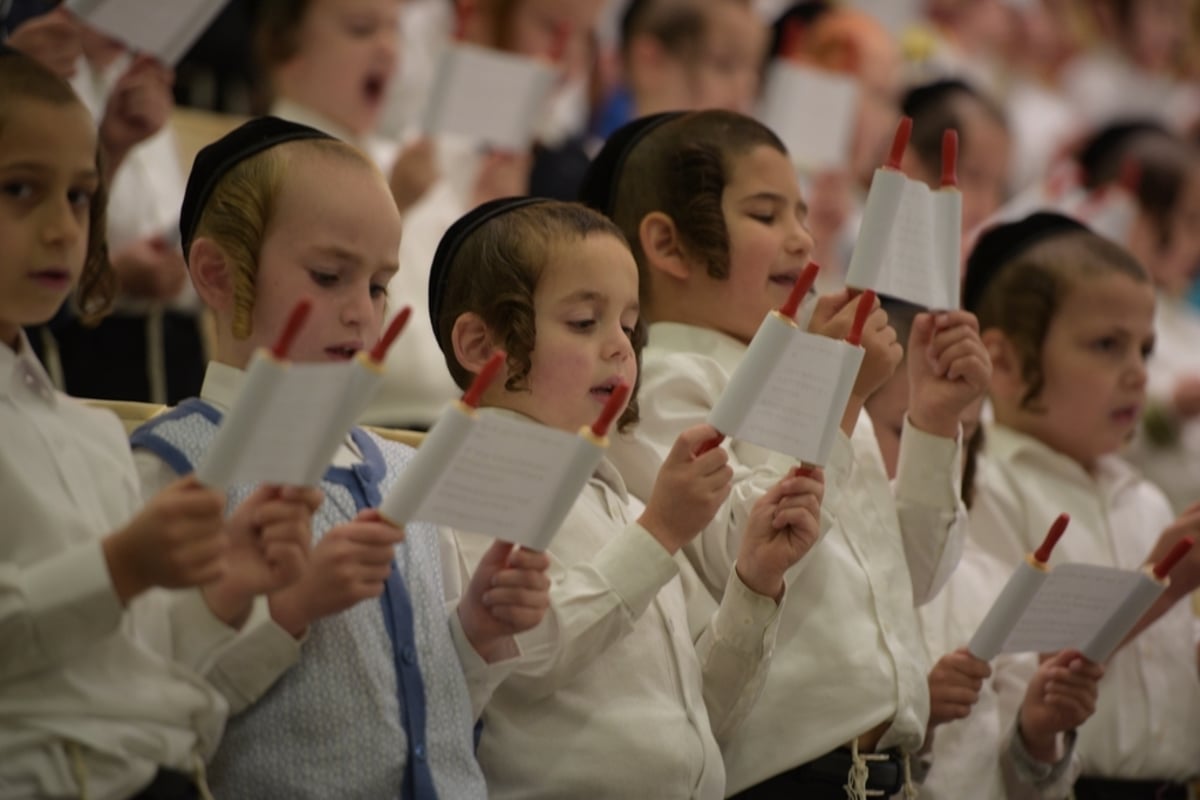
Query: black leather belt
[826, 776]
[1111, 789]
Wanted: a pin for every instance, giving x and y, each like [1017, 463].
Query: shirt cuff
[928, 469]
[1038, 773]
[636, 567]
[746, 620]
[72, 596]
[255, 659]
[198, 633]
[482, 678]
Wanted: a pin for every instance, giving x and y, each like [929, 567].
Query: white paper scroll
[488, 474]
[812, 111]
[1104, 641]
[1077, 604]
[163, 28]
[1006, 612]
[789, 391]
[491, 97]
[910, 243]
[287, 422]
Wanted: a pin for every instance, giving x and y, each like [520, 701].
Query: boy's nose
[799, 239]
[358, 310]
[60, 224]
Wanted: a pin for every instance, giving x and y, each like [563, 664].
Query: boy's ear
[211, 275]
[1007, 380]
[660, 243]
[472, 342]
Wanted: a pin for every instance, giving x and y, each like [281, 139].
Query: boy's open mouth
[344, 352]
[373, 88]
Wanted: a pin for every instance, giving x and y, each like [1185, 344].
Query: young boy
[984, 144]
[378, 706]
[110, 687]
[616, 695]
[710, 202]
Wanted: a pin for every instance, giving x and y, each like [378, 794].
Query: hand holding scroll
[948, 370]
[689, 489]
[1061, 697]
[783, 527]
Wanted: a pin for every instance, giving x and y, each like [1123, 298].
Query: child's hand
[270, 535]
[502, 175]
[1185, 576]
[1061, 696]
[150, 269]
[688, 490]
[509, 593]
[834, 316]
[1186, 397]
[954, 685]
[53, 39]
[137, 108]
[176, 541]
[348, 565]
[948, 370]
[414, 172]
[783, 526]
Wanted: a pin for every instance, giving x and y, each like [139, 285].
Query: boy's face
[533, 30]
[47, 179]
[983, 165]
[586, 307]
[1174, 265]
[1094, 363]
[334, 238]
[769, 245]
[345, 58]
[726, 75]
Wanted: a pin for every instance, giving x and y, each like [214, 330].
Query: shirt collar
[294, 112]
[222, 383]
[20, 371]
[681, 337]
[1112, 473]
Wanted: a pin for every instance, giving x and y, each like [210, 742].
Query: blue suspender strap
[398, 617]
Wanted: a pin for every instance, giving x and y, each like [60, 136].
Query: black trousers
[169, 784]
[1106, 789]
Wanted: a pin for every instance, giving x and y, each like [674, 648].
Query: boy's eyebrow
[41, 166]
[776, 198]
[592, 296]
[337, 251]
[584, 296]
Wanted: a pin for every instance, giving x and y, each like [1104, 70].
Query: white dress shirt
[93, 698]
[1147, 720]
[614, 696]
[849, 651]
[982, 756]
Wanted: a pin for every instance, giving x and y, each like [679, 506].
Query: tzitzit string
[856, 787]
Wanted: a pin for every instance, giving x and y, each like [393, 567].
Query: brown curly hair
[495, 273]
[23, 78]
[681, 169]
